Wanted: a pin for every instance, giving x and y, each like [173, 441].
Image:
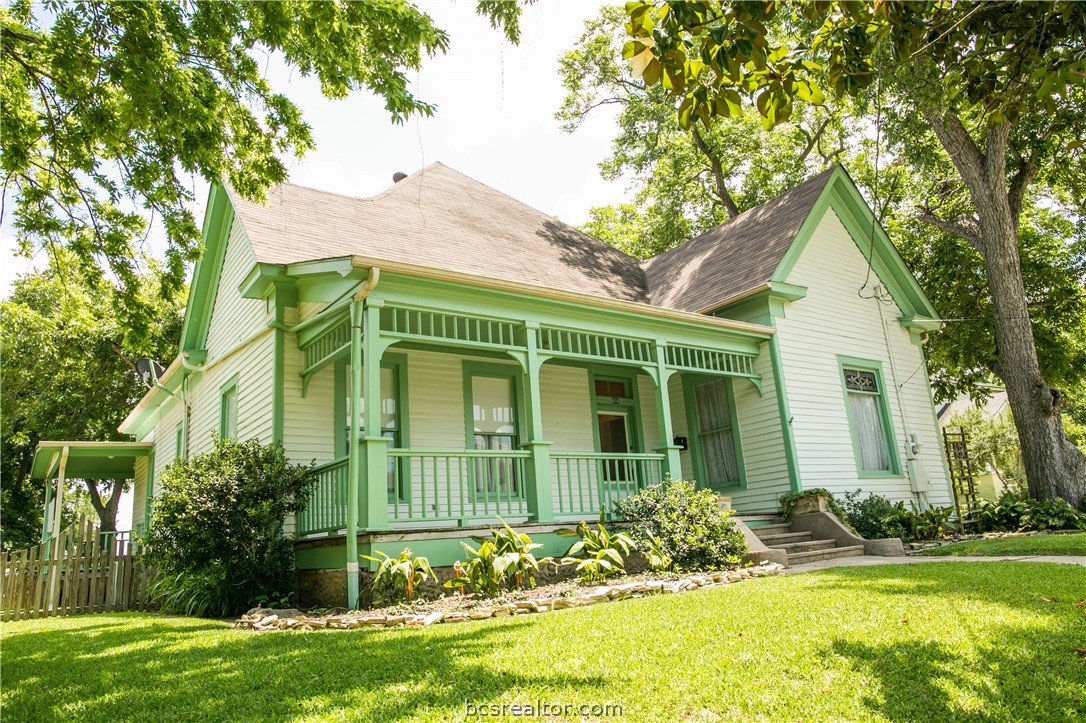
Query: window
[490, 398]
[179, 444]
[869, 418]
[228, 410]
[393, 375]
[715, 434]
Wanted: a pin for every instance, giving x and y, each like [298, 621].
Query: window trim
[875, 367]
[230, 386]
[341, 389]
[515, 374]
[697, 459]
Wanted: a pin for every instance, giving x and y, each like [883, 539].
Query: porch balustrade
[466, 486]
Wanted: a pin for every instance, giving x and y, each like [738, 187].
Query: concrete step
[777, 528]
[798, 558]
[784, 538]
[792, 547]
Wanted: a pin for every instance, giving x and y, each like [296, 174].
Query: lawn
[1074, 544]
[953, 641]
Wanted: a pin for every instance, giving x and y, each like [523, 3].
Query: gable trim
[205, 278]
[842, 196]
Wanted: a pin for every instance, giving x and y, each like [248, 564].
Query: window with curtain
[390, 422]
[716, 438]
[494, 428]
[869, 433]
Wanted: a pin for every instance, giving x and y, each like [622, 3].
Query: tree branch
[964, 226]
[718, 174]
[1016, 193]
[959, 145]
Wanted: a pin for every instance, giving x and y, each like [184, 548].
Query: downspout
[354, 463]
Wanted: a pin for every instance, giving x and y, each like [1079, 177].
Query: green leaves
[397, 578]
[598, 554]
[503, 559]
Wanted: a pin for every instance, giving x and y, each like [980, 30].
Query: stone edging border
[265, 621]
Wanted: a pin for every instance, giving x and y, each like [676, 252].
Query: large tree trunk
[1055, 467]
[107, 511]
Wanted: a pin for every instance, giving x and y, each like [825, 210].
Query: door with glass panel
[493, 413]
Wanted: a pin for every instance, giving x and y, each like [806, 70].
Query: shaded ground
[979, 641]
[1072, 544]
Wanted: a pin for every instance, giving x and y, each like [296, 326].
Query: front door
[614, 433]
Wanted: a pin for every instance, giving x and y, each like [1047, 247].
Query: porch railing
[327, 509]
[464, 485]
[441, 485]
[585, 481]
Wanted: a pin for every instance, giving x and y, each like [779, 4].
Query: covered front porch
[490, 410]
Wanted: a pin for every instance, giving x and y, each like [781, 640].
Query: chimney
[398, 176]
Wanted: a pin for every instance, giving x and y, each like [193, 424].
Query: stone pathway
[915, 559]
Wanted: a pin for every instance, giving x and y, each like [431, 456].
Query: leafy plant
[1011, 513]
[789, 501]
[657, 557]
[275, 601]
[687, 524]
[598, 554]
[397, 578]
[505, 559]
[929, 524]
[874, 516]
[216, 529]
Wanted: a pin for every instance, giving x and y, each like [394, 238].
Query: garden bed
[463, 608]
[931, 547]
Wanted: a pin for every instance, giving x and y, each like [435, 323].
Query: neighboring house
[449, 356]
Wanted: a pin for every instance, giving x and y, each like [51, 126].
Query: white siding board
[834, 320]
[761, 441]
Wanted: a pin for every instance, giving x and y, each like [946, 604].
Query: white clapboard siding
[761, 441]
[139, 493]
[831, 320]
[308, 433]
[566, 408]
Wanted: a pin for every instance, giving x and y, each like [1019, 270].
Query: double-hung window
[228, 410]
[869, 418]
[392, 422]
[716, 446]
[492, 426]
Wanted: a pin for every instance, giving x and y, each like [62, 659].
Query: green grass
[954, 641]
[1074, 544]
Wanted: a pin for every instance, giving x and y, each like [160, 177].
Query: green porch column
[540, 500]
[673, 464]
[373, 502]
[355, 466]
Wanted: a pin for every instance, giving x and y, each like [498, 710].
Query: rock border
[264, 620]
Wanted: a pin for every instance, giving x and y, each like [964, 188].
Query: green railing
[585, 481]
[441, 485]
[327, 509]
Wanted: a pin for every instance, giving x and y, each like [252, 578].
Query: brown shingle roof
[442, 219]
[733, 257]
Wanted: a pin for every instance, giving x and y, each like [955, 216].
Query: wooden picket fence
[80, 571]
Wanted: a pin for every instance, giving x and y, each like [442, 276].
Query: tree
[1000, 85]
[69, 373]
[106, 105]
[685, 180]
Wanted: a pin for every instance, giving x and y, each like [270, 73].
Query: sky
[494, 122]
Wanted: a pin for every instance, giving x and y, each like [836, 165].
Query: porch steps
[801, 546]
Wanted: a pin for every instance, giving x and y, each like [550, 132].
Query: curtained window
[716, 438]
[870, 435]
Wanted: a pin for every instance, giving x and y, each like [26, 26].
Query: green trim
[514, 373]
[340, 442]
[694, 432]
[631, 405]
[218, 221]
[869, 365]
[355, 463]
[179, 441]
[373, 512]
[230, 386]
[790, 454]
[841, 195]
[148, 488]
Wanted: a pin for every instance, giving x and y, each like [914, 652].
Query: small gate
[956, 444]
[81, 570]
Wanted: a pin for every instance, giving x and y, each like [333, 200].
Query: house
[449, 356]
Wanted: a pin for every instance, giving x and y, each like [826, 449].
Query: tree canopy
[107, 106]
[983, 102]
[69, 373]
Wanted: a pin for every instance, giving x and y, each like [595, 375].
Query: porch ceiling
[89, 460]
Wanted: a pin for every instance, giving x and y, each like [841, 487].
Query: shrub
[929, 524]
[688, 525]
[1012, 512]
[504, 560]
[216, 529]
[397, 578]
[875, 517]
[598, 554]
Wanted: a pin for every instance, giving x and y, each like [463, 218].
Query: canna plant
[398, 578]
[598, 554]
[505, 559]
